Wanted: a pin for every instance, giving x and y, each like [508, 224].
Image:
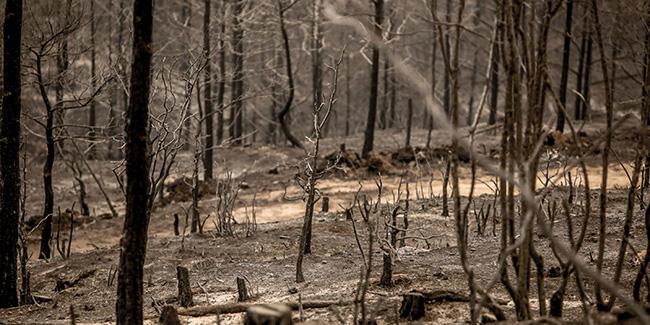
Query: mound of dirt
[386, 163]
[63, 219]
[404, 155]
[180, 189]
[380, 163]
[344, 158]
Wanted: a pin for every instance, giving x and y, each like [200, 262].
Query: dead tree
[566, 56]
[184, 287]
[221, 83]
[207, 95]
[391, 243]
[92, 109]
[312, 171]
[316, 56]
[283, 115]
[409, 123]
[470, 106]
[242, 290]
[136, 222]
[433, 8]
[609, 109]
[10, 152]
[51, 41]
[237, 87]
[369, 133]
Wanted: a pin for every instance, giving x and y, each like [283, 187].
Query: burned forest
[274, 162]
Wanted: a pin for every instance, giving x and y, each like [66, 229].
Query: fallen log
[240, 307]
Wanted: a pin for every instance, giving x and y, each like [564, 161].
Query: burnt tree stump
[176, 231]
[348, 214]
[273, 314]
[184, 288]
[169, 316]
[326, 204]
[242, 290]
[412, 306]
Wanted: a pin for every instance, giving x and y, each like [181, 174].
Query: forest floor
[267, 257]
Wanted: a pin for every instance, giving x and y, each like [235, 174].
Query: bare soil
[267, 257]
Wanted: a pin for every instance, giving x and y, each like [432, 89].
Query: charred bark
[134, 239]
[9, 152]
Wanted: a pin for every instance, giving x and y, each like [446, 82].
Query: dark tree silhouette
[221, 84]
[9, 152]
[566, 55]
[207, 96]
[369, 134]
[134, 237]
[494, 84]
[284, 113]
[237, 88]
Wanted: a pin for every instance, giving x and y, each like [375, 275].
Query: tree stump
[184, 289]
[176, 230]
[412, 306]
[169, 316]
[274, 314]
[348, 214]
[242, 291]
[326, 204]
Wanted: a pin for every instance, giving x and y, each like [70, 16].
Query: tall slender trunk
[577, 108]
[283, 115]
[609, 108]
[9, 152]
[237, 88]
[494, 84]
[221, 84]
[369, 134]
[385, 98]
[54, 116]
[433, 8]
[48, 191]
[347, 95]
[133, 246]
[470, 111]
[566, 56]
[409, 123]
[316, 60]
[186, 17]
[207, 95]
[92, 113]
[586, 83]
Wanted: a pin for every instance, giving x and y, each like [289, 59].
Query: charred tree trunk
[92, 110]
[369, 134]
[221, 84]
[433, 8]
[207, 95]
[316, 60]
[385, 97]
[9, 152]
[237, 89]
[566, 56]
[494, 84]
[586, 83]
[136, 222]
[577, 108]
[347, 95]
[283, 115]
[470, 112]
[609, 108]
[48, 191]
[409, 123]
